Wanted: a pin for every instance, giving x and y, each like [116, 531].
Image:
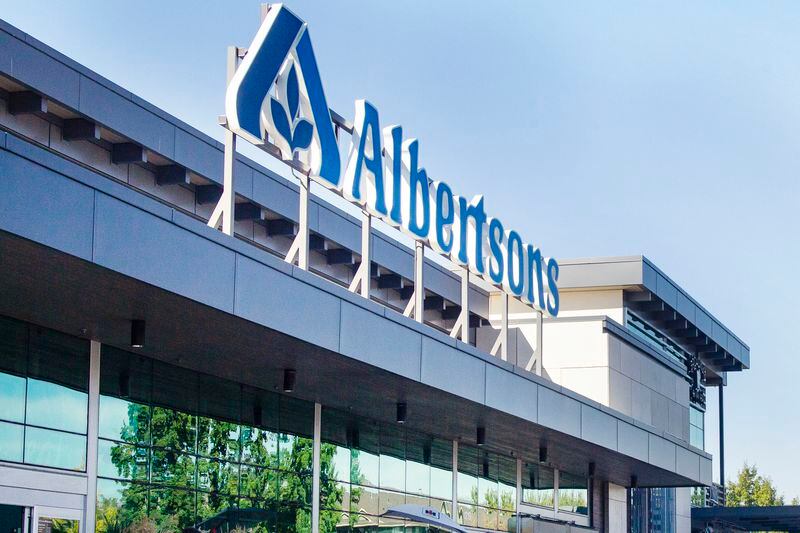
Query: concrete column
[316, 468]
[91, 436]
[617, 509]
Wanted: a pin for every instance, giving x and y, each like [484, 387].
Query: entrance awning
[425, 515]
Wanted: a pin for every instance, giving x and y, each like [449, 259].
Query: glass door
[55, 520]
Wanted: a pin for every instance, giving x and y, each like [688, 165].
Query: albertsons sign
[276, 94]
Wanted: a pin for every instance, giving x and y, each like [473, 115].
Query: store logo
[277, 92]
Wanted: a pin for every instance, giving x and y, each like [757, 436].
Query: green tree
[796, 500]
[751, 489]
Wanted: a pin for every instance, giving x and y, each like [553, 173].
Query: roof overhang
[652, 293]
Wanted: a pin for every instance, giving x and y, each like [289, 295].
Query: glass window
[11, 442]
[54, 448]
[184, 457]
[124, 420]
[538, 485]
[122, 461]
[572, 493]
[43, 386]
[696, 427]
[55, 406]
[12, 398]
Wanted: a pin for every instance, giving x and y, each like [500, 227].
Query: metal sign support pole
[461, 328]
[539, 342]
[223, 212]
[299, 249]
[361, 281]
[419, 284]
[501, 344]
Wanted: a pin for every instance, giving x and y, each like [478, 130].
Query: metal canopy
[425, 515]
[778, 518]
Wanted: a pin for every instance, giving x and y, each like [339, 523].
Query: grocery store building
[153, 368]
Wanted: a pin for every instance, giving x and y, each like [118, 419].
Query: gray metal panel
[687, 463]
[559, 412]
[649, 275]
[38, 70]
[276, 195]
[388, 254]
[686, 307]
[339, 228]
[45, 207]
[261, 296]
[667, 291]
[600, 272]
[122, 115]
[243, 183]
[706, 466]
[197, 155]
[662, 452]
[446, 368]
[130, 241]
[598, 427]
[632, 441]
[371, 338]
[506, 392]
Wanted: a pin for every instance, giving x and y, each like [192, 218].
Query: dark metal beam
[80, 129]
[451, 312]
[122, 153]
[207, 194]
[407, 292]
[434, 302]
[26, 103]
[280, 227]
[247, 211]
[316, 242]
[390, 281]
[171, 175]
[339, 256]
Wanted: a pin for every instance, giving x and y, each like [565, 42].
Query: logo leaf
[292, 93]
[303, 132]
[280, 120]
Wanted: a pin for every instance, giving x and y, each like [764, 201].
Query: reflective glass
[418, 478]
[217, 476]
[217, 438]
[335, 495]
[392, 473]
[124, 420]
[210, 505]
[295, 488]
[572, 493]
[294, 453]
[54, 448]
[538, 485]
[441, 483]
[123, 461]
[259, 483]
[468, 514]
[467, 488]
[12, 398]
[364, 468]
[172, 468]
[11, 442]
[119, 504]
[55, 406]
[259, 446]
[487, 518]
[339, 468]
[389, 498]
[364, 500]
[171, 509]
[173, 429]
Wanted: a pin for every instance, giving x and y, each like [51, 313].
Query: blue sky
[665, 129]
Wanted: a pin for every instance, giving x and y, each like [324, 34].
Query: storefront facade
[157, 371]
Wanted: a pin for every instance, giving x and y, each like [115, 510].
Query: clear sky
[595, 128]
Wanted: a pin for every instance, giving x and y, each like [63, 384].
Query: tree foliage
[751, 489]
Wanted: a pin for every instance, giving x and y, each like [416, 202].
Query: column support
[91, 436]
[224, 210]
[722, 434]
[539, 343]
[416, 305]
[461, 328]
[361, 281]
[501, 344]
[298, 251]
[454, 501]
[315, 503]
